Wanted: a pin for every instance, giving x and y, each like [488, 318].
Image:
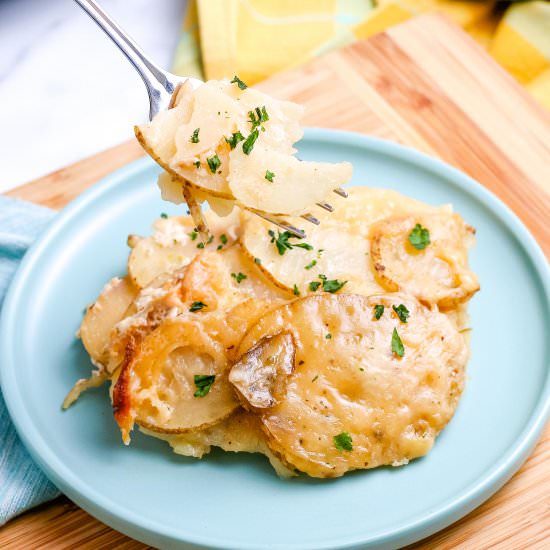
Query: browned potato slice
[261, 374]
[104, 314]
[352, 402]
[437, 274]
[158, 386]
[240, 433]
[174, 244]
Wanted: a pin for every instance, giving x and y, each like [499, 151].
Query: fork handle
[151, 75]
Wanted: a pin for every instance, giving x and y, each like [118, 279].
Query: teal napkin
[22, 483]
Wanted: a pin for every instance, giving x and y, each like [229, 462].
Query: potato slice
[339, 252]
[437, 274]
[175, 243]
[261, 374]
[240, 433]
[158, 387]
[295, 186]
[352, 402]
[103, 315]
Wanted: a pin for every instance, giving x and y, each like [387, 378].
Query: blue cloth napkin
[22, 483]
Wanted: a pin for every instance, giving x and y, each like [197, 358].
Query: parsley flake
[223, 238]
[257, 117]
[378, 311]
[195, 136]
[396, 344]
[163, 215]
[269, 175]
[311, 264]
[193, 234]
[328, 336]
[331, 285]
[236, 80]
[200, 245]
[248, 143]
[197, 164]
[402, 312]
[203, 383]
[314, 285]
[419, 237]
[238, 276]
[234, 139]
[295, 290]
[343, 442]
[305, 246]
[214, 163]
[197, 306]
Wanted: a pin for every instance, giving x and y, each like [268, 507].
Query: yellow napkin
[257, 38]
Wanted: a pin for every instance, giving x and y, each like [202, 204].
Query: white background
[66, 92]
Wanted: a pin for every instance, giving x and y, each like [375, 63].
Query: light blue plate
[236, 501]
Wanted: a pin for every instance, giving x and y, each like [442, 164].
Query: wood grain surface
[425, 84]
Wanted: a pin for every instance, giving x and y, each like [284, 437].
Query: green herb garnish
[314, 285]
[311, 264]
[396, 344]
[238, 277]
[193, 234]
[203, 383]
[402, 312]
[236, 80]
[328, 336]
[214, 163]
[197, 306]
[343, 442]
[378, 311]
[305, 246]
[197, 164]
[163, 215]
[223, 238]
[257, 117]
[269, 175]
[195, 136]
[295, 290]
[419, 237]
[234, 139]
[331, 285]
[200, 245]
[248, 143]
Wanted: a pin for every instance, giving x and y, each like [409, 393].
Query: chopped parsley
[238, 277]
[219, 247]
[343, 442]
[203, 383]
[314, 285]
[402, 312]
[378, 311]
[248, 143]
[295, 290]
[331, 285]
[257, 261]
[200, 245]
[257, 117]
[234, 139]
[195, 136]
[193, 234]
[305, 246]
[223, 238]
[197, 164]
[269, 175]
[311, 264]
[236, 80]
[419, 237]
[214, 163]
[163, 215]
[396, 344]
[210, 239]
[282, 243]
[197, 306]
[328, 336]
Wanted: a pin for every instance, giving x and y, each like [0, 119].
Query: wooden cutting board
[428, 85]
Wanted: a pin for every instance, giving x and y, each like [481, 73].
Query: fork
[162, 87]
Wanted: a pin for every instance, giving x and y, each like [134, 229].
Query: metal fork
[161, 86]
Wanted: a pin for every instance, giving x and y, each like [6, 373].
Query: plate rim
[135, 526]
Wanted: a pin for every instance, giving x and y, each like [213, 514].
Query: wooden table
[426, 84]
